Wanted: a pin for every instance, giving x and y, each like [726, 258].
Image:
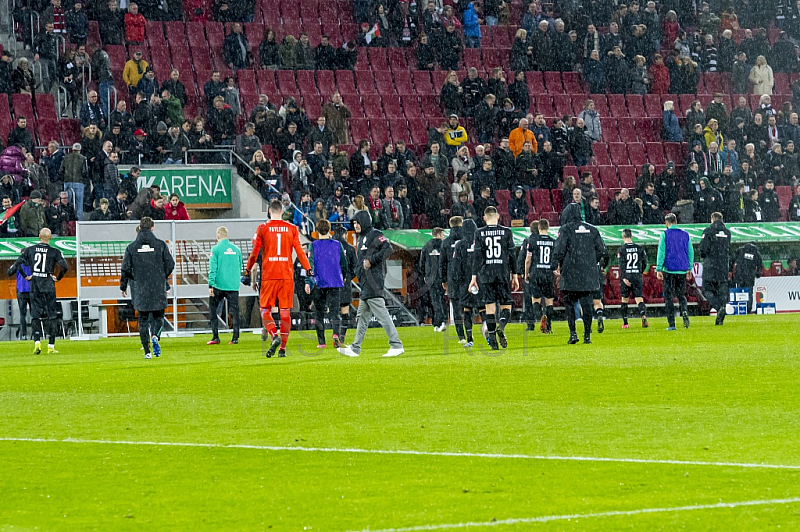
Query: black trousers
[750, 287]
[437, 302]
[326, 300]
[674, 286]
[585, 299]
[232, 296]
[24, 302]
[150, 324]
[717, 293]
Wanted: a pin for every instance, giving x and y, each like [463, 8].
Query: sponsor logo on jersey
[230, 251]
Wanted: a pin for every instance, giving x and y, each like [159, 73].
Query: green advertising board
[782, 232]
[199, 186]
[765, 234]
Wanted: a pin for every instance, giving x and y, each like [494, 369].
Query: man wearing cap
[6, 85]
[134, 71]
[75, 174]
[455, 135]
[103, 213]
[59, 216]
[31, 215]
[139, 151]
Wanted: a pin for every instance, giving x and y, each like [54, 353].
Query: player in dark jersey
[632, 260]
[465, 303]
[597, 297]
[494, 267]
[346, 294]
[42, 260]
[539, 273]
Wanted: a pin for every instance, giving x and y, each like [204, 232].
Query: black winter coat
[578, 250]
[148, 263]
[372, 246]
[748, 264]
[446, 264]
[714, 248]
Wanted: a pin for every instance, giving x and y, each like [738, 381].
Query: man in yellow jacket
[454, 136]
[134, 71]
[519, 136]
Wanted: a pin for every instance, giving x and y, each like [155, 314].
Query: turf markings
[408, 453]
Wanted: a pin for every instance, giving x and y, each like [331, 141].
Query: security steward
[714, 250]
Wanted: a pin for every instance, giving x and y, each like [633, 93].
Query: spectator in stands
[268, 50]
[148, 85]
[450, 48]
[336, 114]
[651, 206]
[74, 172]
[752, 209]
[31, 215]
[426, 54]
[472, 29]
[765, 108]
[235, 48]
[462, 162]
[324, 55]
[304, 53]
[592, 121]
[455, 136]
[338, 199]
[551, 166]
[521, 52]
[472, 90]
[223, 122]
[526, 169]
[316, 160]
[567, 189]
[135, 25]
[659, 73]
[617, 72]
[103, 213]
[518, 92]
[730, 156]
[9, 189]
[761, 77]
[519, 136]
[436, 209]
[768, 200]
[51, 159]
[173, 110]
[360, 159]
[289, 141]
[93, 113]
[543, 51]
[111, 23]
[347, 56]
[178, 145]
[580, 145]
[77, 24]
[452, 95]
[21, 135]
[708, 200]
[175, 209]
[393, 215]
[175, 87]
[486, 114]
[716, 110]
[231, 95]
[356, 206]
[45, 48]
[22, 78]
[213, 88]
[508, 118]
[671, 129]
[639, 77]
[60, 216]
[727, 52]
[155, 208]
[134, 71]
[261, 171]
[624, 211]
[586, 185]
[711, 133]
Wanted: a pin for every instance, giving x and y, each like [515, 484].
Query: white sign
[783, 291]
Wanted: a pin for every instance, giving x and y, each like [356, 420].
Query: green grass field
[715, 399]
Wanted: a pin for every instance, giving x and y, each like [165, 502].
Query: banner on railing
[198, 186]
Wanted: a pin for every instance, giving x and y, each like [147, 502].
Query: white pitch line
[548, 518]
[409, 453]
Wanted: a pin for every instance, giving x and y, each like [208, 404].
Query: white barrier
[783, 291]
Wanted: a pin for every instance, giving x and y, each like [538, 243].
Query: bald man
[42, 260]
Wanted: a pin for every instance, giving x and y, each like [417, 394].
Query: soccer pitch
[696, 429]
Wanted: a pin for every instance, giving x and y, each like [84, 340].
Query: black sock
[642, 309]
[51, 331]
[537, 311]
[599, 313]
[549, 314]
[482, 314]
[491, 323]
[459, 319]
[624, 309]
[505, 315]
[36, 329]
[343, 324]
[468, 317]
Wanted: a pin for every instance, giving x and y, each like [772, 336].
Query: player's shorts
[542, 286]
[496, 292]
[44, 305]
[345, 296]
[280, 290]
[470, 300]
[634, 290]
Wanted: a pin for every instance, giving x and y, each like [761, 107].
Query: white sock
[51, 346]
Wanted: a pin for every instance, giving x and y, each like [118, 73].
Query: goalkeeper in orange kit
[276, 239]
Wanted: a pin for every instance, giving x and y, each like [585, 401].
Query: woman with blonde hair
[640, 79]
[451, 95]
[592, 121]
[358, 205]
[761, 76]
[521, 52]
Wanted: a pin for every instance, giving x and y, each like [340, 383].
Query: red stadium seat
[608, 176]
[419, 131]
[541, 200]
[384, 82]
[600, 150]
[542, 103]
[403, 83]
[372, 105]
[364, 82]
[70, 130]
[535, 82]
[781, 83]
[618, 153]
[326, 83]
[572, 83]
[359, 129]
[649, 129]
[552, 81]
[627, 176]
[22, 106]
[562, 104]
[286, 82]
[627, 130]
[45, 107]
[655, 153]
[555, 194]
[392, 107]
[675, 152]
[306, 82]
[47, 129]
[653, 106]
[636, 154]
[616, 105]
[600, 104]
[379, 131]
[422, 83]
[635, 105]
[411, 107]
[609, 126]
[345, 83]
[266, 82]
[398, 128]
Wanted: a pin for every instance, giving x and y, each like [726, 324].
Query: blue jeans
[472, 42]
[491, 21]
[170, 160]
[105, 89]
[75, 191]
[581, 160]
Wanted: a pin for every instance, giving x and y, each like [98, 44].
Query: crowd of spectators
[662, 49]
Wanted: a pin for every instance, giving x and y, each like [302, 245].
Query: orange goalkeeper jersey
[277, 239]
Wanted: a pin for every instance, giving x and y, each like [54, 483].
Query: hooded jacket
[375, 248]
[460, 269]
[471, 25]
[578, 250]
[714, 247]
[149, 264]
[448, 251]
[748, 263]
[430, 260]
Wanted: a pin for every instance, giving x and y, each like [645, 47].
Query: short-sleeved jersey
[278, 239]
[632, 259]
[540, 250]
[494, 253]
[42, 259]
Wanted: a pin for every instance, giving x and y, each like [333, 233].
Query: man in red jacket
[134, 25]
